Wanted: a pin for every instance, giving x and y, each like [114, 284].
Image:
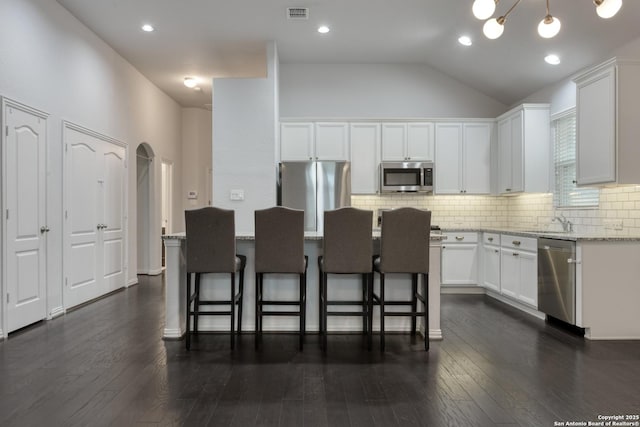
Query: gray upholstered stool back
[348, 246]
[211, 240]
[404, 247]
[279, 240]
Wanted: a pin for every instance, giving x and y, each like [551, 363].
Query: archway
[145, 208]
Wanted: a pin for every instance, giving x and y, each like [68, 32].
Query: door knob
[44, 229]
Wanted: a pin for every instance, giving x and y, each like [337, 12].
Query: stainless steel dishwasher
[557, 279]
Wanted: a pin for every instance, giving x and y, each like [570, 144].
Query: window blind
[566, 193]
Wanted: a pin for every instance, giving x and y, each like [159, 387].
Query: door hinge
[7, 297]
[6, 130]
[66, 216]
[66, 281]
[7, 214]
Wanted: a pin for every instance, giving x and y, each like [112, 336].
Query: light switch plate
[236, 195]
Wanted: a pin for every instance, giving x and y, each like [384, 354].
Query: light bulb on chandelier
[493, 28]
[549, 27]
[483, 9]
[607, 8]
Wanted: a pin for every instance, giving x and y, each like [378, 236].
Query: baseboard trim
[172, 334]
[462, 290]
[155, 272]
[522, 307]
[56, 312]
[132, 282]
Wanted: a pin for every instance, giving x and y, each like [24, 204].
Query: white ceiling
[226, 38]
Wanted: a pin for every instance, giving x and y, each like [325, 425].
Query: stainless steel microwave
[406, 177]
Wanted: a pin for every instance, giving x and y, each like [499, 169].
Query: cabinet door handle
[517, 242]
[459, 238]
[490, 239]
[515, 254]
[573, 261]
[507, 189]
[496, 251]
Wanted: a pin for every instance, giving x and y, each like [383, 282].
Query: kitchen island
[349, 287]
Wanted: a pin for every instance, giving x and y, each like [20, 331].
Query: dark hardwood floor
[106, 364]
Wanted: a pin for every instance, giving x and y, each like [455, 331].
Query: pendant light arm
[510, 9]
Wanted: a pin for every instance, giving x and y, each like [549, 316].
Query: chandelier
[548, 27]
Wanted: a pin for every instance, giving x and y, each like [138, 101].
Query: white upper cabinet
[463, 158]
[448, 163]
[403, 142]
[365, 157]
[607, 102]
[332, 141]
[297, 141]
[305, 141]
[524, 149]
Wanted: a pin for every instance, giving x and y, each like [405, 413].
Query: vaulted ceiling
[226, 38]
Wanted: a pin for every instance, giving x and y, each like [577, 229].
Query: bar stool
[404, 248]
[347, 249]
[279, 248]
[211, 248]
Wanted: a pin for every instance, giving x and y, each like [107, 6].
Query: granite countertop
[308, 235]
[572, 236]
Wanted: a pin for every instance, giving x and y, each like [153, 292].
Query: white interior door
[112, 209]
[25, 166]
[95, 194]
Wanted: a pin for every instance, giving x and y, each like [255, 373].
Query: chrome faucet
[567, 226]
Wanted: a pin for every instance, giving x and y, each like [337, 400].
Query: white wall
[245, 115]
[378, 91]
[50, 61]
[196, 156]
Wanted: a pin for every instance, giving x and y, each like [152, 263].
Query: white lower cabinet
[460, 258]
[490, 255]
[519, 269]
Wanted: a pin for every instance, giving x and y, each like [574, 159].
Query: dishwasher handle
[573, 261]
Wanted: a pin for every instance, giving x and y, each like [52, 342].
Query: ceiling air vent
[297, 13]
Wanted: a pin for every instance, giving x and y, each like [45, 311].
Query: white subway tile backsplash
[527, 210]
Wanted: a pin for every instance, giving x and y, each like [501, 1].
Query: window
[566, 194]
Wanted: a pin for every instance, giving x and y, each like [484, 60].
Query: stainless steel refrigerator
[314, 187]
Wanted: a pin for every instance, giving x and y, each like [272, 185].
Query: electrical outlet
[612, 224]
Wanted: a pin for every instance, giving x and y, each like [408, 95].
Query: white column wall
[245, 116]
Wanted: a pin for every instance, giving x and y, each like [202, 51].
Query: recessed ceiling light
[190, 82]
[552, 59]
[147, 28]
[323, 29]
[465, 40]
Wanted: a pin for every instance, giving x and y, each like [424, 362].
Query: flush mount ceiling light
[323, 29]
[190, 82]
[147, 28]
[548, 27]
[465, 40]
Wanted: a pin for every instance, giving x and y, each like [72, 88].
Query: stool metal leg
[240, 295]
[302, 303]
[425, 293]
[196, 304]
[381, 311]
[414, 302]
[233, 310]
[187, 333]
